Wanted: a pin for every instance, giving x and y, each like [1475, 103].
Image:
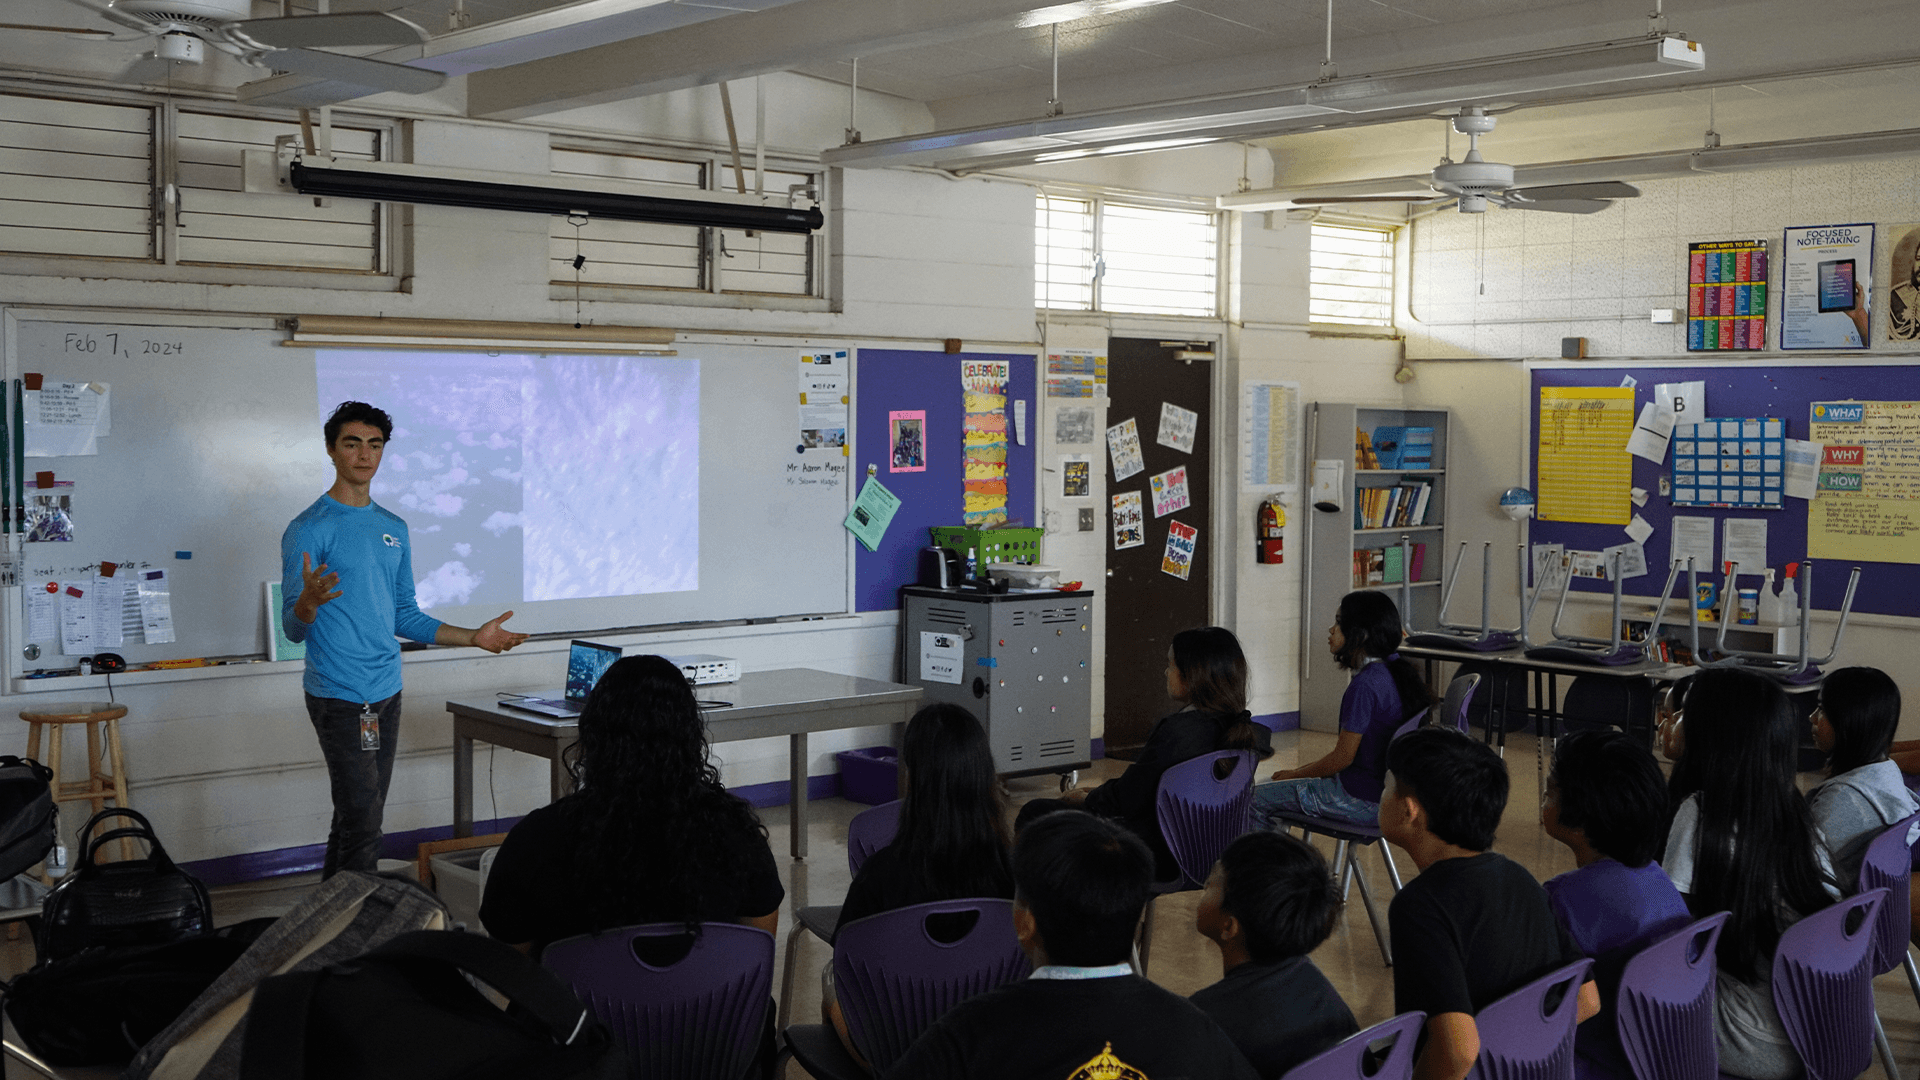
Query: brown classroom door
[1145, 606]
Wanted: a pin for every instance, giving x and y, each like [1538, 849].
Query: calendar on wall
[1737, 463]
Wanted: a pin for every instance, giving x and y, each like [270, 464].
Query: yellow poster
[1867, 508]
[1585, 470]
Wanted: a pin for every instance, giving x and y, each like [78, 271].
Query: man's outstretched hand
[316, 589]
[495, 637]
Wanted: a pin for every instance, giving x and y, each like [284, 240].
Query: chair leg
[786, 979]
[1343, 867]
[1913, 974]
[1373, 914]
[1145, 947]
[1885, 1048]
[1393, 871]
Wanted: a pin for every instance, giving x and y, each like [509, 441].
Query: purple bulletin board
[892, 380]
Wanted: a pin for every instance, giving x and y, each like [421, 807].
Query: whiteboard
[216, 445]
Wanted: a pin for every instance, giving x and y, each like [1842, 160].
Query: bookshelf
[1390, 490]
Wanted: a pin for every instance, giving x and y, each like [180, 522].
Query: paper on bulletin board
[907, 439]
[872, 512]
[1267, 445]
[1075, 373]
[1170, 492]
[823, 402]
[64, 419]
[1692, 538]
[1585, 470]
[1178, 560]
[1129, 521]
[1869, 482]
[1123, 444]
[1803, 468]
[1632, 559]
[983, 386]
[1076, 476]
[1826, 292]
[1177, 427]
[155, 594]
[43, 611]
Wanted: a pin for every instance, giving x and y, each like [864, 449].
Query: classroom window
[687, 258]
[1350, 275]
[1096, 254]
[76, 178]
[221, 223]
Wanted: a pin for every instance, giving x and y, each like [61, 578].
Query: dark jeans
[358, 778]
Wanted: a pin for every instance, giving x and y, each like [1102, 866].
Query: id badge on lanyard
[369, 727]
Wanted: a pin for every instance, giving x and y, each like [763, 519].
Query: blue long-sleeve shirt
[351, 652]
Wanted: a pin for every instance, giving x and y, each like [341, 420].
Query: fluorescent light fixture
[1258, 113]
[1082, 9]
[533, 193]
[1879, 144]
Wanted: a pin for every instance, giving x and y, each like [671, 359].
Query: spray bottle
[1770, 610]
[1790, 595]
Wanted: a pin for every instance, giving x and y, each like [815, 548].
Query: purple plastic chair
[894, 978]
[1203, 804]
[1823, 986]
[869, 831]
[1887, 865]
[700, 1017]
[1350, 1060]
[1664, 1007]
[1349, 836]
[1521, 1039]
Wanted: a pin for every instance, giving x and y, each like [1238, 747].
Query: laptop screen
[586, 662]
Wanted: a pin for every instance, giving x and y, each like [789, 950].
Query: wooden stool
[99, 786]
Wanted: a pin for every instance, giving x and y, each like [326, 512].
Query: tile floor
[1182, 960]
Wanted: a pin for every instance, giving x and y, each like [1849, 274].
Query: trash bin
[870, 775]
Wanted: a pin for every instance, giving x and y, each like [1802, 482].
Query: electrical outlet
[1086, 521]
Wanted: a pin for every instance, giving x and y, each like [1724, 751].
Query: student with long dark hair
[1385, 691]
[1742, 841]
[1207, 674]
[649, 834]
[1863, 794]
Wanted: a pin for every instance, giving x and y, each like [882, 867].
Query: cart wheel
[1068, 779]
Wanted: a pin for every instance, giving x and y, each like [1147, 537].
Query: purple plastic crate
[870, 775]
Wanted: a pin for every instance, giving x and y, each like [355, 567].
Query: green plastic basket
[990, 545]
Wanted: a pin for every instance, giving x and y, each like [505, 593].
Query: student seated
[649, 835]
[1742, 841]
[952, 842]
[1667, 732]
[1384, 692]
[1863, 795]
[1207, 673]
[1607, 802]
[1473, 926]
[1269, 902]
[1081, 882]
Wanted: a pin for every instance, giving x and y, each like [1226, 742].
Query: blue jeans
[359, 779]
[1322, 797]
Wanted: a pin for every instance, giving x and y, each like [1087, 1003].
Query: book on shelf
[1400, 506]
[1388, 446]
[1416, 445]
[1385, 565]
[1363, 455]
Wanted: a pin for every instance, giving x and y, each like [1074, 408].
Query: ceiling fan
[1475, 183]
[183, 30]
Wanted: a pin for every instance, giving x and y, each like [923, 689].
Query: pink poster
[907, 436]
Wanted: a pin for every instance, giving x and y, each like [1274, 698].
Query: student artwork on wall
[1178, 559]
[1170, 492]
[1129, 523]
[1177, 426]
[1123, 444]
[1826, 287]
[908, 438]
[1903, 285]
[984, 441]
[1727, 296]
[1076, 476]
[1737, 463]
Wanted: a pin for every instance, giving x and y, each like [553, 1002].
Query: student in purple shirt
[1384, 692]
[1607, 801]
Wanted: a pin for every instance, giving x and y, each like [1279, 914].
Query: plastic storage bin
[1011, 545]
[460, 878]
[870, 775]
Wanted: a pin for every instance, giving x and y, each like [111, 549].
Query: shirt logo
[391, 540]
[1105, 1066]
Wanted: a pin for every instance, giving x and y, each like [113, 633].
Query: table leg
[1548, 730]
[559, 779]
[462, 783]
[797, 793]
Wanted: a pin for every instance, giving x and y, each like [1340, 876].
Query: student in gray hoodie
[1864, 793]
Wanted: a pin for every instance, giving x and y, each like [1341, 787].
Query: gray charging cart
[1025, 670]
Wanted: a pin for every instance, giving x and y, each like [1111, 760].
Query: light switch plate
[1086, 519]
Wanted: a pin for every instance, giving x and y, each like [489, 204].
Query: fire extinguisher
[1270, 546]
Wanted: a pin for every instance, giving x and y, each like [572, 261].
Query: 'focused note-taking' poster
[1585, 471]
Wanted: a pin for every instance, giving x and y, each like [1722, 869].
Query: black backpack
[26, 814]
[146, 901]
[406, 1011]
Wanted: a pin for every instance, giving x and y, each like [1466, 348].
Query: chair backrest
[1823, 986]
[894, 978]
[1521, 1039]
[1201, 813]
[870, 830]
[1453, 710]
[1416, 721]
[1352, 1057]
[1888, 865]
[1664, 1008]
[698, 1017]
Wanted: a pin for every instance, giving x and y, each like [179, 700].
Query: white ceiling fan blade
[1605, 189]
[1335, 200]
[372, 74]
[75, 30]
[332, 31]
[106, 11]
[1552, 206]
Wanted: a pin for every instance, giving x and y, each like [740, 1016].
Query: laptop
[586, 662]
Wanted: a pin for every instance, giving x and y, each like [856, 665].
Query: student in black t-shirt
[952, 842]
[1082, 882]
[650, 835]
[1207, 673]
[1474, 926]
[1269, 902]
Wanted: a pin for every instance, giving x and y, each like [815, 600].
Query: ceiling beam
[736, 47]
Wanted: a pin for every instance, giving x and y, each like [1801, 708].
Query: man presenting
[348, 617]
